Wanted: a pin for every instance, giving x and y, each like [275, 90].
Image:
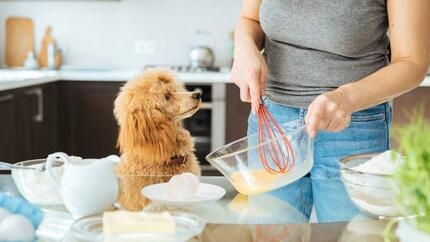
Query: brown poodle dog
[152, 141]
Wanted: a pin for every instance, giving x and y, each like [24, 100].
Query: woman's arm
[410, 45]
[248, 29]
[249, 68]
[409, 27]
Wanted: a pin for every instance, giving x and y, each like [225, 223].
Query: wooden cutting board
[19, 40]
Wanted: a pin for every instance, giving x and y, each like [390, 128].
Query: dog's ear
[146, 133]
[134, 129]
[121, 102]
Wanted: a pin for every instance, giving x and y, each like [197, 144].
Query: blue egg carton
[20, 206]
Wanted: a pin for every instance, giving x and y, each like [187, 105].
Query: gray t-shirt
[314, 46]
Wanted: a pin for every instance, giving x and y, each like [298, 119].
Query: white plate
[91, 229]
[206, 193]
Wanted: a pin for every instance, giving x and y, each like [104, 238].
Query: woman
[326, 61]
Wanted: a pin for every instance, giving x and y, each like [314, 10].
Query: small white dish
[206, 193]
[91, 229]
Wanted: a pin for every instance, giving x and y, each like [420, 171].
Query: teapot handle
[59, 156]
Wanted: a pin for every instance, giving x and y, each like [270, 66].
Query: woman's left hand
[329, 111]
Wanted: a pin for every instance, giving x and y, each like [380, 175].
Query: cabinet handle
[38, 92]
[6, 97]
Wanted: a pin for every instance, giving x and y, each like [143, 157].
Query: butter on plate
[125, 222]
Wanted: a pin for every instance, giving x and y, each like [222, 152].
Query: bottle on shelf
[50, 54]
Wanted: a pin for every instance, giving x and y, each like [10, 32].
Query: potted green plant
[412, 179]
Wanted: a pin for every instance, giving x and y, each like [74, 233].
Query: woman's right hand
[249, 73]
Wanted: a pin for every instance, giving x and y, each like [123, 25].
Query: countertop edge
[10, 85]
[212, 78]
[426, 82]
[110, 76]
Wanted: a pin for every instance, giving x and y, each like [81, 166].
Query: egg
[3, 213]
[16, 228]
[183, 186]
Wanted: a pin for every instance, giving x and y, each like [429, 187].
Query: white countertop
[426, 82]
[11, 79]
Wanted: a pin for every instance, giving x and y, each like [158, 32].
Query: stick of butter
[123, 222]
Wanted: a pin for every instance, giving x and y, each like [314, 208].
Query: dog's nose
[197, 95]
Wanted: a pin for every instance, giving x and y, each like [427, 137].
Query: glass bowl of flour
[35, 185]
[368, 181]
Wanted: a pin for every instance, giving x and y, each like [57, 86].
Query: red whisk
[273, 144]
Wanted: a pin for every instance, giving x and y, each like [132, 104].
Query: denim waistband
[378, 109]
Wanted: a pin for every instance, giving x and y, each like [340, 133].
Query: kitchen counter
[11, 79]
[234, 218]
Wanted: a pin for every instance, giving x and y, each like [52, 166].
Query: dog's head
[157, 94]
[148, 108]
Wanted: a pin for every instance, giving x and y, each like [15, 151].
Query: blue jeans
[368, 132]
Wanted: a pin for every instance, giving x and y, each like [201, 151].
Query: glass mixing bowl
[373, 194]
[241, 163]
[35, 185]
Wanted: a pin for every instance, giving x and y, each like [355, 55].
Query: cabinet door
[407, 102]
[38, 121]
[8, 127]
[87, 125]
[237, 114]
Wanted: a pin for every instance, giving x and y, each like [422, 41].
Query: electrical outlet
[147, 47]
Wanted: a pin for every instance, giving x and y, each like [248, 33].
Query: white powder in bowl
[36, 186]
[382, 164]
[374, 195]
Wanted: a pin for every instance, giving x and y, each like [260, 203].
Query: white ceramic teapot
[88, 186]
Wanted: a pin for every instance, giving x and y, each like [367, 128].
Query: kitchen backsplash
[127, 33]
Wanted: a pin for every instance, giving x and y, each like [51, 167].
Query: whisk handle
[261, 100]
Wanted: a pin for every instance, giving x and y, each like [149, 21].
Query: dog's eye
[167, 96]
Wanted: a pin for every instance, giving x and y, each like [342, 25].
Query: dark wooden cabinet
[28, 124]
[37, 112]
[87, 126]
[407, 102]
[73, 117]
[237, 113]
[8, 126]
